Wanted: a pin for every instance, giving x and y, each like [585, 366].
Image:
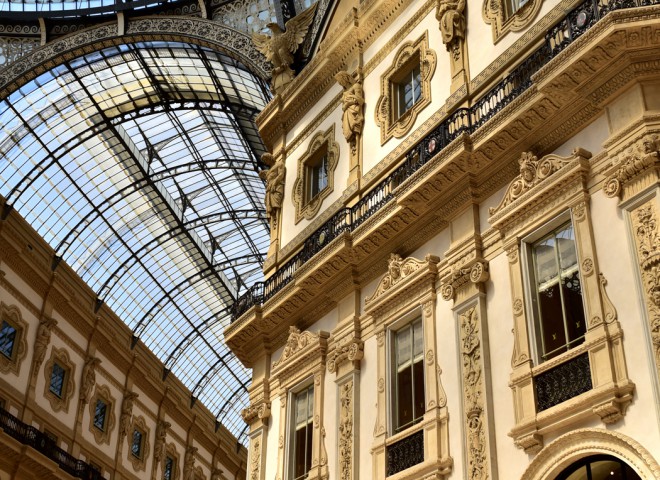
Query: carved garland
[389, 126]
[346, 431]
[647, 238]
[305, 207]
[473, 393]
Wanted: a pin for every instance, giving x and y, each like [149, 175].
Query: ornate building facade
[460, 244]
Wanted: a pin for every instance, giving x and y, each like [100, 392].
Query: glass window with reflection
[303, 420]
[560, 323]
[7, 339]
[408, 395]
[99, 414]
[57, 376]
[408, 89]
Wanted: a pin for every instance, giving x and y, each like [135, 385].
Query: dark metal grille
[563, 382]
[28, 435]
[405, 453]
[463, 120]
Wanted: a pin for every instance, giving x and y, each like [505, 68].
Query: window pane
[99, 415]
[57, 380]
[418, 340]
[417, 83]
[566, 246]
[7, 339]
[169, 464]
[545, 261]
[552, 321]
[404, 399]
[403, 347]
[418, 372]
[572, 293]
[300, 453]
[136, 447]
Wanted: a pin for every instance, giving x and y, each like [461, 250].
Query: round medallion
[581, 19]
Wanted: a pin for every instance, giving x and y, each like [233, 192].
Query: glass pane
[607, 470]
[418, 340]
[418, 372]
[310, 404]
[566, 246]
[136, 447]
[99, 415]
[572, 294]
[579, 474]
[57, 380]
[299, 454]
[552, 320]
[417, 84]
[167, 474]
[403, 347]
[7, 339]
[301, 409]
[545, 261]
[404, 399]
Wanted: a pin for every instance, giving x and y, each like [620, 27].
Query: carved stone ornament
[255, 459]
[301, 348]
[352, 106]
[12, 315]
[494, 13]
[352, 351]
[322, 143]
[88, 378]
[398, 271]
[346, 431]
[637, 160]
[385, 111]
[549, 175]
[475, 272]
[473, 395]
[189, 463]
[161, 437]
[139, 462]
[102, 435]
[60, 357]
[452, 20]
[260, 411]
[42, 341]
[126, 413]
[274, 178]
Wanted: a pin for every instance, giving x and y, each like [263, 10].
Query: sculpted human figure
[274, 178]
[43, 339]
[126, 413]
[352, 106]
[189, 463]
[88, 378]
[161, 436]
[452, 21]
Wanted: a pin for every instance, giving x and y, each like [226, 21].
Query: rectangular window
[303, 420]
[317, 175]
[408, 89]
[57, 375]
[557, 293]
[408, 395]
[168, 471]
[512, 6]
[7, 339]
[136, 445]
[100, 414]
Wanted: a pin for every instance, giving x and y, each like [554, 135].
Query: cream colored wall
[374, 152]
[481, 48]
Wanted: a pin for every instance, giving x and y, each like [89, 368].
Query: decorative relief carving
[648, 248]
[494, 13]
[126, 413]
[260, 411]
[579, 211]
[608, 307]
[255, 458]
[635, 161]
[296, 342]
[532, 172]
[309, 207]
[397, 270]
[346, 431]
[274, 178]
[42, 341]
[161, 437]
[61, 357]
[473, 393]
[397, 127]
[88, 378]
[102, 435]
[475, 271]
[139, 462]
[352, 106]
[352, 351]
[189, 463]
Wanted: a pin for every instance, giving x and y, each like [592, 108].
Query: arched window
[599, 467]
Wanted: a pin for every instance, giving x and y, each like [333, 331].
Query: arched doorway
[599, 467]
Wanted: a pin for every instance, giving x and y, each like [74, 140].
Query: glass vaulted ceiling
[137, 164]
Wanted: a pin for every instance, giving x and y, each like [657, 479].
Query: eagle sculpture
[280, 47]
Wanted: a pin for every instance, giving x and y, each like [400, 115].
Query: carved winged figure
[280, 47]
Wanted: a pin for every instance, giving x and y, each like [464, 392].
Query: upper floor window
[168, 469]
[408, 394]
[316, 174]
[57, 377]
[302, 429]
[137, 444]
[557, 293]
[512, 6]
[7, 339]
[100, 414]
[408, 88]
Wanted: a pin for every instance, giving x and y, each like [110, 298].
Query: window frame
[546, 194]
[60, 357]
[140, 425]
[503, 19]
[170, 452]
[306, 386]
[102, 393]
[321, 144]
[391, 121]
[11, 314]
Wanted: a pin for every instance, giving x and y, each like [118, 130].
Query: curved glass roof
[138, 165]
[76, 7]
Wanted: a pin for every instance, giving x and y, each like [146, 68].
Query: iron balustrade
[405, 453]
[463, 120]
[29, 435]
[563, 382]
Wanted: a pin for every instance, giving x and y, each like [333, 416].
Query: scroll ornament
[640, 158]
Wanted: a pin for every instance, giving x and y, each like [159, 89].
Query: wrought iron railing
[463, 120]
[28, 435]
[405, 453]
[565, 381]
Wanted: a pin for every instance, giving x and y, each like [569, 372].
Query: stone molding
[346, 430]
[170, 451]
[389, 126]
[256, 411]
[494, 13]
[139, 463]
[308, 208]
[12, 315]
[160, 448]
[581, 443]
[475, 271]
[353, 351]
[636, 161]
[102, 392]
